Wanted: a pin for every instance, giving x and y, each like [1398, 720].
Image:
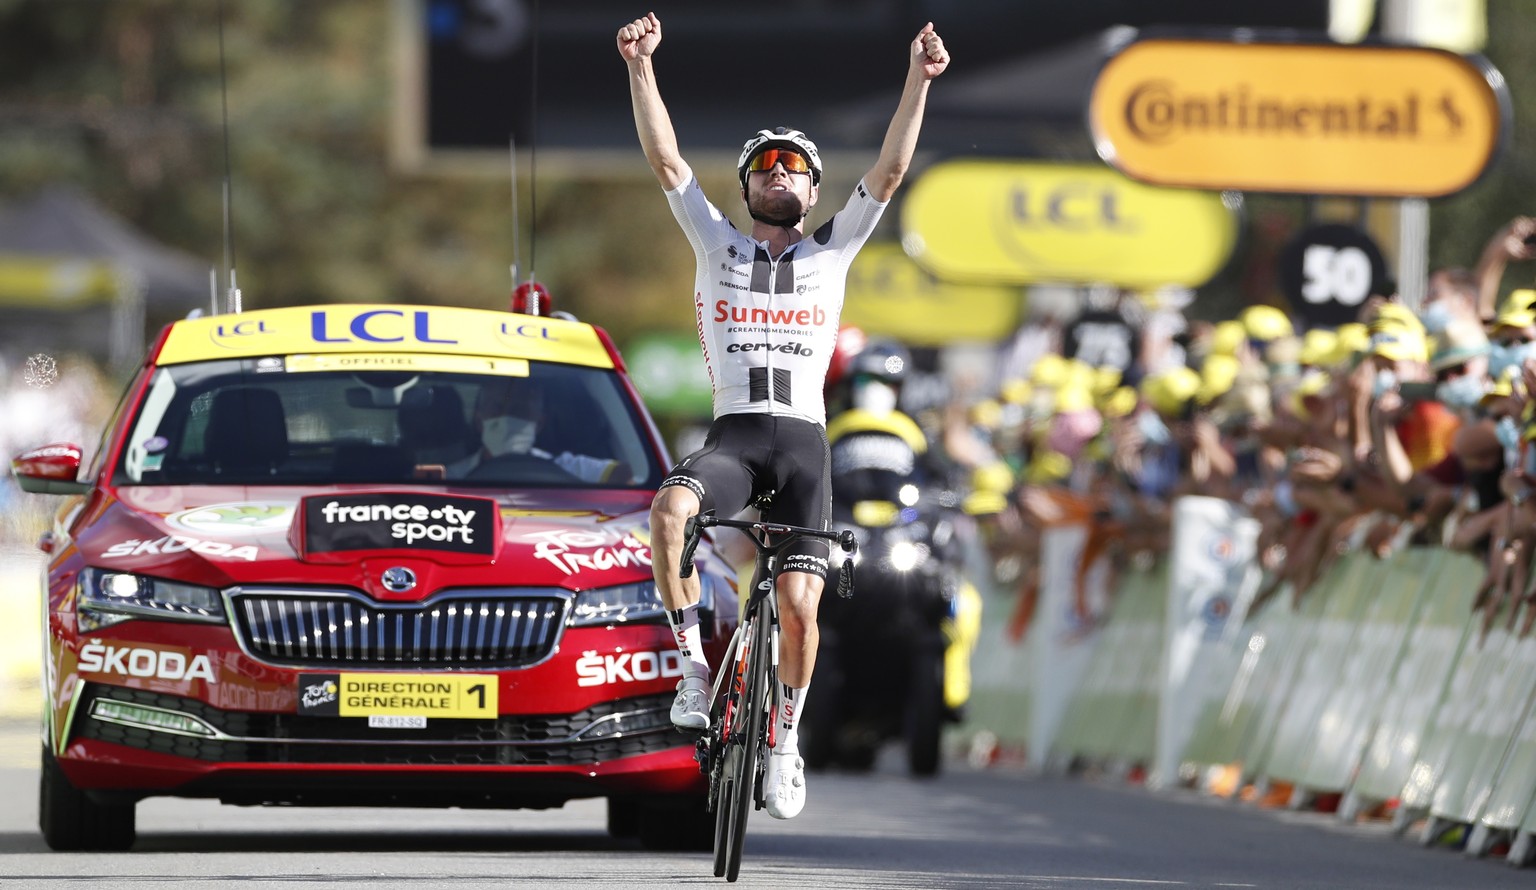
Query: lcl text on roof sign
[1389, 121]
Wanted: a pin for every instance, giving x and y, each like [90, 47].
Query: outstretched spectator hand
[1511, 242]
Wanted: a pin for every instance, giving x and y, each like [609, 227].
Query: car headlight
[111, 597]
[622, 604]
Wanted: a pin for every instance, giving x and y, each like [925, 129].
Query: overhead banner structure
[1386, 121]
[890, 295]
[1027, 223]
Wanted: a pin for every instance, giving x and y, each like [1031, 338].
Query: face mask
[874, 397]
[1386, 381]
[1462, 392]
[1508, 432]
[507, 435]
[1437, 317]
[1152, 428]
[1502, 358]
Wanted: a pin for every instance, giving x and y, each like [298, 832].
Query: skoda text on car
[310, 564]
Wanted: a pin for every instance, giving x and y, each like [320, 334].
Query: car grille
[606, 731]
[339, 630]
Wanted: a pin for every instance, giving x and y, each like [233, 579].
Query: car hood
[352, 536]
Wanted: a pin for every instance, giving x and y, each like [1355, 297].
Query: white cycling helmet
[780, 137]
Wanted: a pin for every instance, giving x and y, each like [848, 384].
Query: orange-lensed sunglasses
[793, 161]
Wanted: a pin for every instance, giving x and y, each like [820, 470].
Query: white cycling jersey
[768, 325]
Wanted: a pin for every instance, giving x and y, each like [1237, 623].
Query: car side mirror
[51, 469]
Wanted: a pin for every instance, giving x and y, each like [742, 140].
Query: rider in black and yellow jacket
[878, 453]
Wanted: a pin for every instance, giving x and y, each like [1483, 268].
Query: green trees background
[123, 99]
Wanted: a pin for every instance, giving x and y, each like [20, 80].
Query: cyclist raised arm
[767, 305]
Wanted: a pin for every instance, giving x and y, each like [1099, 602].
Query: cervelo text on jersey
[768, 324]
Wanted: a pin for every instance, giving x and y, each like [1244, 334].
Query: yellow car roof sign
[383, 329]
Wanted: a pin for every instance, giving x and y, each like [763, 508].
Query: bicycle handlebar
[759, 532]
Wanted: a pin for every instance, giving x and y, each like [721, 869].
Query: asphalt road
[968, 829]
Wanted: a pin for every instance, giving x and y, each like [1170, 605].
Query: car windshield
[274, 421]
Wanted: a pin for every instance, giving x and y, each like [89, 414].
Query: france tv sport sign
[1387, 121]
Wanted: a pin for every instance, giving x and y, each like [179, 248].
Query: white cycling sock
[685, 630]
[790, 708]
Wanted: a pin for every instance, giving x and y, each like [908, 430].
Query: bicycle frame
[732, 759]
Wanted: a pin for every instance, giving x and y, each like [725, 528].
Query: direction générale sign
[1387, 121]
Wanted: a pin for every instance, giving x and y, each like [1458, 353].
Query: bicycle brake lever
[690, 544]
[845, 579]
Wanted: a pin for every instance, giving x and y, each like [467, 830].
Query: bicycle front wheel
[750, 741]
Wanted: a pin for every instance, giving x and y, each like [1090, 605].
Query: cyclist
[767, 305]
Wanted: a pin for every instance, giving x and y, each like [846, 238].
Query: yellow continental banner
[1021, 223]
[890, 295]
[417, 695]
[1390, 121]
[383, 329]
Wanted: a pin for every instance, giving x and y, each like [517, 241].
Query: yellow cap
[1118, 403]
[1078, 374]
[1389, 313]
[1400, 344]
[993, 477]
[1170, 391]
[1048, 466]
[1217, 376]
[1073, 398]
[1312, 383]
[1105, 380]
[1265, 322]
[1397, 334]
[1354, 338]
[1319, 346]
[987, 414]
[1503, 386]
[1049, 370]
[1227, 336]
[1016, 392]
[1518, 310]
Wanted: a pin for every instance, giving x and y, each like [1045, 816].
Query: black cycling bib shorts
[745, 455]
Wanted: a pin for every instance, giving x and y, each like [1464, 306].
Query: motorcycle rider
[881, 457]
[873, 442]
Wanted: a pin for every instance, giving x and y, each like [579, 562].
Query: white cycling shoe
[785, 794]
[690, 709]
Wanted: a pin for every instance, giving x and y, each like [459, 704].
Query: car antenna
[232, 288]
[532, 294]
[516, 231]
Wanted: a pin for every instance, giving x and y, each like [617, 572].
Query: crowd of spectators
[1408, 426]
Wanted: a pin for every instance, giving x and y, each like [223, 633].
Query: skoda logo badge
[398, 579]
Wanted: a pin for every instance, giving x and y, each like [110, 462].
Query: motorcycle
[881, 668]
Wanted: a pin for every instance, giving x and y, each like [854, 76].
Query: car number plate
[395, 721]
[471, 696]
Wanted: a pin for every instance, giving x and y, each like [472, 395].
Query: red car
[366, 555]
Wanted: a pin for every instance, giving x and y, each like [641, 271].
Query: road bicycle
[733, 752]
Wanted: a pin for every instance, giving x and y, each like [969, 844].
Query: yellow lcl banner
[890, 295]
[384, 329]
[1025, 223]
[1389, 121]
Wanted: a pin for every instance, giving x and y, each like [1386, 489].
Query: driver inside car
[509, 412]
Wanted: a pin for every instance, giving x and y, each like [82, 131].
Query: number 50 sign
[1328, 270]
